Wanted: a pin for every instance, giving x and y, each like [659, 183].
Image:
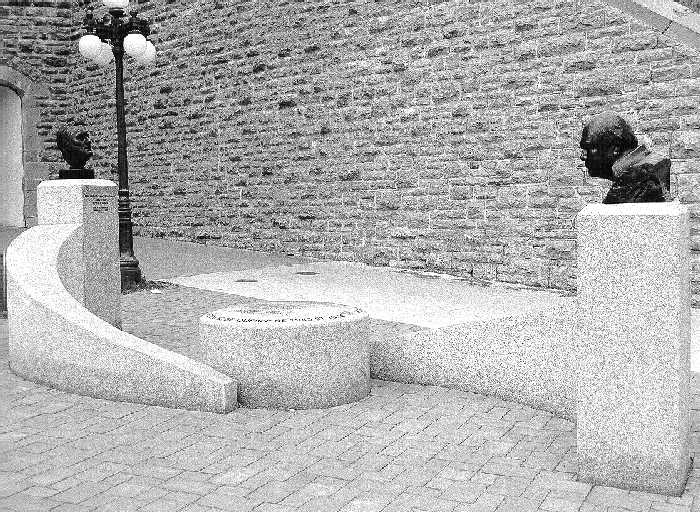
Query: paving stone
[80, 492]
[24, 503]
[72, 507]
[559, 505]
[519, 504]
[228, 502]
[162, 505]
[8, 488]
[485, 503]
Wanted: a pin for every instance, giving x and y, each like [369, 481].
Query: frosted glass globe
[148, 56]
[89, 46]
[116, 4]
[135, 44]
[105, 56]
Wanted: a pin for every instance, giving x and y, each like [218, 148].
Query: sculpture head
[605, 138]
[76, 149]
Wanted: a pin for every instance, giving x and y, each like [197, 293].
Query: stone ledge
[668, 17]
[56, 341]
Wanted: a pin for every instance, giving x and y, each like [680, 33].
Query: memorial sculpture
[76, 151]
[610, 150]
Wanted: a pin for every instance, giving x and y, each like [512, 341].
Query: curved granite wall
[56, 341]
[528, 358]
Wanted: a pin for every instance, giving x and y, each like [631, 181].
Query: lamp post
[109, 38]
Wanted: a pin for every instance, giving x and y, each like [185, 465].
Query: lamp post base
[130, 272]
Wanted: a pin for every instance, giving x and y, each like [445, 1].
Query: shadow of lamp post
[109, 38]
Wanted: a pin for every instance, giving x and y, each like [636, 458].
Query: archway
[11, 161]
[34, 167]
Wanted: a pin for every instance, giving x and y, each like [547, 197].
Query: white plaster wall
[11, 169]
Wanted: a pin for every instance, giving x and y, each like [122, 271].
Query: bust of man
[76, 151]
[610, 150]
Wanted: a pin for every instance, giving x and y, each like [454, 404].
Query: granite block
[290, 355]
[64, 303]
[633, 402]
[55, 341]
[94, 282]
[527, 358]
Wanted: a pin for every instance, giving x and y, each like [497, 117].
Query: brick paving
[404, 448]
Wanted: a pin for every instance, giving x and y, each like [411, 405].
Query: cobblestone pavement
[404, 448]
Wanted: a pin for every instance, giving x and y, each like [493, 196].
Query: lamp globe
[135, 44]
[89, 46]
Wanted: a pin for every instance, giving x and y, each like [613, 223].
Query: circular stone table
[290, 355]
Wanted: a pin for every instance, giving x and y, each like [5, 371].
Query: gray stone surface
[528, 358]
[502, 340]
[633, 401]
[55, 341]
[92, 273]
[54, 275]
[290, 355]
[405, 447]
[424, 299]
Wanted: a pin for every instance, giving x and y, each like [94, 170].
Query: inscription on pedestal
[100, 202]
[294, 312]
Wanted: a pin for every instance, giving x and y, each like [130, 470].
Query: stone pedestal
[93, 204]
[290, 355]
[633, 403]
[63, 289]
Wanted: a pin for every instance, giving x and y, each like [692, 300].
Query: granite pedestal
[63, 305]
[633, 402]
[93, 279]
[290, 355]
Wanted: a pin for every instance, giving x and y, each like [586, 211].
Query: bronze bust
[610, 150]
[76, 151]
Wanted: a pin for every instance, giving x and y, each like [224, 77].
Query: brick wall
[35, 50]
[431, 135]
[693, 5]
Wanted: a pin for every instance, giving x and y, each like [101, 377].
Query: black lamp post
[114, 35]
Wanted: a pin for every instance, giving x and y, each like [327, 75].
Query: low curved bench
[56, 341]
[290, 355]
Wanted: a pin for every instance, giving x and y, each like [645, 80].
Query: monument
[633, 398]
[76, 150]
[610, 150]
[92, 205]
[290, 355]
[64, 310]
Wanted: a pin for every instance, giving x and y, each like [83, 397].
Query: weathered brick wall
[35, 41]
[431, 135]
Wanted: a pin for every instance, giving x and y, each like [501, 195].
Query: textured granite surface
[509, 342]
[54, 279]
[290, 355]
[528, 358]
[92, 271]
[633, 402]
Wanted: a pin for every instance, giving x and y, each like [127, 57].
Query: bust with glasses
[610, 150]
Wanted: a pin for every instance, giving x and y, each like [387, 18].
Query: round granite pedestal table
[290, 355]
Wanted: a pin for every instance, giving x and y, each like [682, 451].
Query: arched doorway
[11, 161]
